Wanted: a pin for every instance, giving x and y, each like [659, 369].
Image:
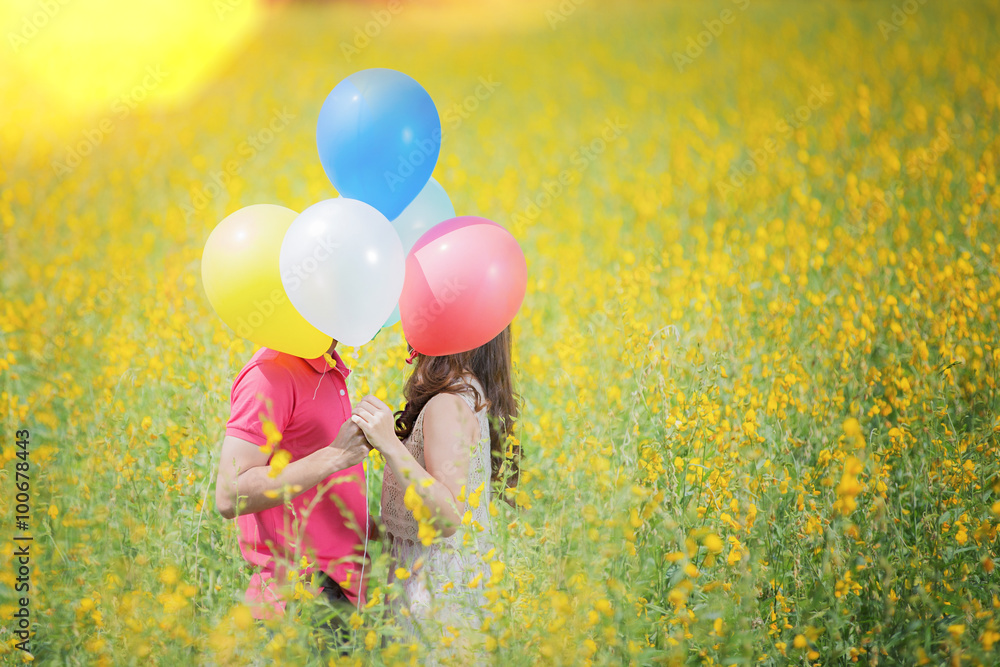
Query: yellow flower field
[758, 356]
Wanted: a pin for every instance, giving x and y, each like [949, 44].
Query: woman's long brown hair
[491, 365]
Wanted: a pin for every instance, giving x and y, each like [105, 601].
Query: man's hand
[352, 443]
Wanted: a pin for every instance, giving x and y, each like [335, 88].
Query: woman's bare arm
[451, 430]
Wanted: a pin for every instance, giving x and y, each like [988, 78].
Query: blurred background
[71, 60]
[758, 351]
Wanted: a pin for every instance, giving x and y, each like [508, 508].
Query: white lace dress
[436, 594]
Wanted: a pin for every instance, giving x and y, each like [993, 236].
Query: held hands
[352, 443]
[376, 420]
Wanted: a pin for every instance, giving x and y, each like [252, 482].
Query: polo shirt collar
[320, 366]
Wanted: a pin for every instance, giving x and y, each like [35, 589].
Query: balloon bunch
[389, 248]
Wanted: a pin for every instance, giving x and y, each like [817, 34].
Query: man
[306, 402]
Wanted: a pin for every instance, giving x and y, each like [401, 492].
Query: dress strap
[469, 394]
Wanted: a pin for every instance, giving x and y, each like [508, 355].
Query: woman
[442, 454]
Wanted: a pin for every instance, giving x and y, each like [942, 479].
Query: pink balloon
[465, 281]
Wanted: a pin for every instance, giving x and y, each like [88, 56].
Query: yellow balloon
[239, 269]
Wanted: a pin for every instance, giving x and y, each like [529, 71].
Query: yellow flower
[279, 461]
[496, 571]
[426, 533]
[169, 575]
[95, 645]
[271, 432]
[849, 486]
[242, 618]
[475, 495]
[415, 503]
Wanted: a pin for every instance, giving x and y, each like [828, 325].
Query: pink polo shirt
[309, 403]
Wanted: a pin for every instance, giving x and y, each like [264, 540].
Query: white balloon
[342, 266]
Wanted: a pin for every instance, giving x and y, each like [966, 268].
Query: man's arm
[243, 472]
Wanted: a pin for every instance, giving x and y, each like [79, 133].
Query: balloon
[342, 266]
[430, 207]
[465, 281]
[378, 137]
[239, 270]
[393, 318]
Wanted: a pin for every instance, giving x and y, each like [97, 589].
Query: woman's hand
[377, 422]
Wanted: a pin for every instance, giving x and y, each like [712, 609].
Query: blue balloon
[379, 136]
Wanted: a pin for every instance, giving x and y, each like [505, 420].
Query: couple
[442, 451]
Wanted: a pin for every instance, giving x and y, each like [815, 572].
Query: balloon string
[364, 557]
[367, 531]
[315, 391]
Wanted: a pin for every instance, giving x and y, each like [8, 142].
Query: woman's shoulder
[447, 404]
[448, 408]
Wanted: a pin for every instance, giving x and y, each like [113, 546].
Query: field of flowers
[758, 355]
